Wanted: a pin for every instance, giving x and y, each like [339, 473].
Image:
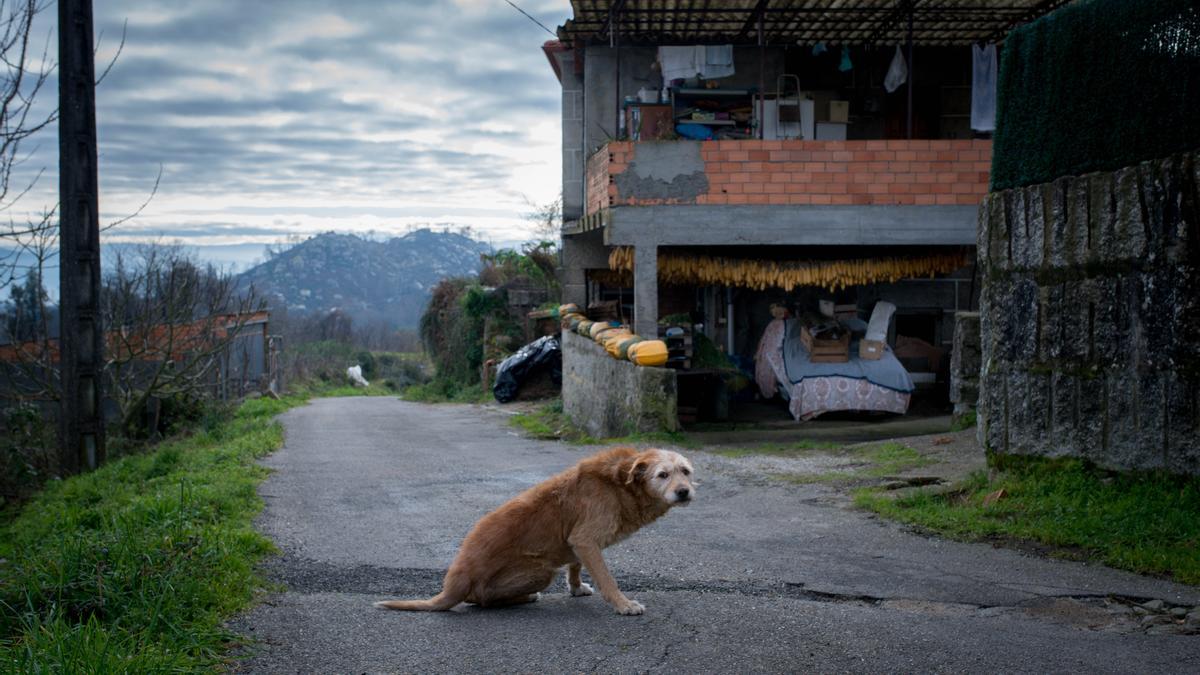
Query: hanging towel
[819, 49]
[718, 62]
[845, 65]
[680, 63]
[983, 87]
[897, 73]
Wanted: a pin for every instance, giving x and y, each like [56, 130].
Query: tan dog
[516, 551]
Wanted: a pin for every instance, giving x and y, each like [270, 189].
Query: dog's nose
[683, 494]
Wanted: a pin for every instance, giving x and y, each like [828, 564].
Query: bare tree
[546, 220]
[171, 326]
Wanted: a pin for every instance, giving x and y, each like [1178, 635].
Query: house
[809, 160]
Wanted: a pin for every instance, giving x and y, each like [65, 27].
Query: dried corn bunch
[762, 274]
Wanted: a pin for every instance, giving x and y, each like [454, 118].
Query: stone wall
[607, 397]
[965, 362]
[1091, 317]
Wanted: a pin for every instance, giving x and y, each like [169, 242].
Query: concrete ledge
[607, 397]
[705, 225]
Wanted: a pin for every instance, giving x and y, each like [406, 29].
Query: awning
[857, 22]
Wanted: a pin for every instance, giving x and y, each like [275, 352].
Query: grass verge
[864, 463]
[134, 567]
[446, 391]
[1146, 523]
[549, 422]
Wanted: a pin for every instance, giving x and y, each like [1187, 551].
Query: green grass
[867, 462]
[134, 567]
[1146, 523]
[794, 448]
[446, 391]
[550, 423]
[964, 421]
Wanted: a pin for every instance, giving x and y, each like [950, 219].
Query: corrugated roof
[935, 22]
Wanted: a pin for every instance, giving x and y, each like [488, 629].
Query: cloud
[319, 115]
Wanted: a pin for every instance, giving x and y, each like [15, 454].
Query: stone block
[983, 230]
[1051, 306]
[1183, 423]
[1166, 190]
[1077, 235]
[1018, 326]
[1102, 240]
[1015, 218]
[1116, 303]
[1074, 347]
[965, 358]
[1091, 422]
[1025, 227]
[1001, 217]
[1121, 424]
[993, 411]
[1061, 440]
[1057, 224]
[1128, 242]
[1028, 412]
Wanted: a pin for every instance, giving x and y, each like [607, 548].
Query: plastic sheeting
[541, 354]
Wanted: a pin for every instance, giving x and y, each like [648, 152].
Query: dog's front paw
[581, 590]
[631, 608]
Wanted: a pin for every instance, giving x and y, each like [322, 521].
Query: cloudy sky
[278, 117]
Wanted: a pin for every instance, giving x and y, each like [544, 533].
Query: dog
[517, 550]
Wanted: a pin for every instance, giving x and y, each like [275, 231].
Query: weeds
[134, 567]
[549, 422]
[1148, 523]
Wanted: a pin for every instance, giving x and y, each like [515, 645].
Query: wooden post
[81, 416]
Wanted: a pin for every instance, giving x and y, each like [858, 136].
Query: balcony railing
[905, 172]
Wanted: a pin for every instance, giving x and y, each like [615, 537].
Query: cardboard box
[826, 351]
[871, 350]
[839, 111]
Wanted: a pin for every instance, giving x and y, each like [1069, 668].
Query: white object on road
[355, 375]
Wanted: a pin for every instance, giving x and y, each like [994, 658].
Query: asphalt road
[371, 496]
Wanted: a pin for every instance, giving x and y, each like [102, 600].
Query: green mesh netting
[1096, 86]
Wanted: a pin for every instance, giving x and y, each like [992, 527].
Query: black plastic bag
[541, 354]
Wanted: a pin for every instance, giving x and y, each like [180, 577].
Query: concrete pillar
[572, 137]
[645, 290]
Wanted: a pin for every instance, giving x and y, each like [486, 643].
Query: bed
[782, 367]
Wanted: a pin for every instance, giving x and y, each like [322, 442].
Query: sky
[274, 118]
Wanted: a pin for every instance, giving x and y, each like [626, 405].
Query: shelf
[714, 92]
[711, 123]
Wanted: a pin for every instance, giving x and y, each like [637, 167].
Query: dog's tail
[454, 591]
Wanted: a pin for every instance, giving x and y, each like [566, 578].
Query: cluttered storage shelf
[708, 113]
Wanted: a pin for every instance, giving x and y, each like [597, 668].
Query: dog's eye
[663, 474]
[686, 472]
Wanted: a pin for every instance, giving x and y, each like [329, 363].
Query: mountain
[368, 280]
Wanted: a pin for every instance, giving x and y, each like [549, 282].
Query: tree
[27, 309]
[547, 221]
[172, 325]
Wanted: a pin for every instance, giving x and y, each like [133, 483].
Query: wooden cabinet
[648, 121]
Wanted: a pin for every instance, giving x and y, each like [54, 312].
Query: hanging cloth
[845, 65]
[718, 61]
[983, 87]
[819, 49]
[897, 73]
[680, 63]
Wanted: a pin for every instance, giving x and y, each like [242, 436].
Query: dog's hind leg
[575, 582]
[508, 602]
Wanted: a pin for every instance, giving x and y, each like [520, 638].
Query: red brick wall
[934, 172]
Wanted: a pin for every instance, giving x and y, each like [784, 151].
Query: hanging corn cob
[674, 268]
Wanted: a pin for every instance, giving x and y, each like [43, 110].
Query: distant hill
[367, 279]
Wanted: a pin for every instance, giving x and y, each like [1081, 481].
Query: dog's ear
[632, 469]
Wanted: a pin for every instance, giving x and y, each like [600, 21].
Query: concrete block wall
[1090, 317]
[887, 172]
[608, 398]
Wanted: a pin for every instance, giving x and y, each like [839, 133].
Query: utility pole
[81, 336]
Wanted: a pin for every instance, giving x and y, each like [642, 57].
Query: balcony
[789, 173]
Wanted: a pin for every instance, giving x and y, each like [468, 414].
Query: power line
[514, 6]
